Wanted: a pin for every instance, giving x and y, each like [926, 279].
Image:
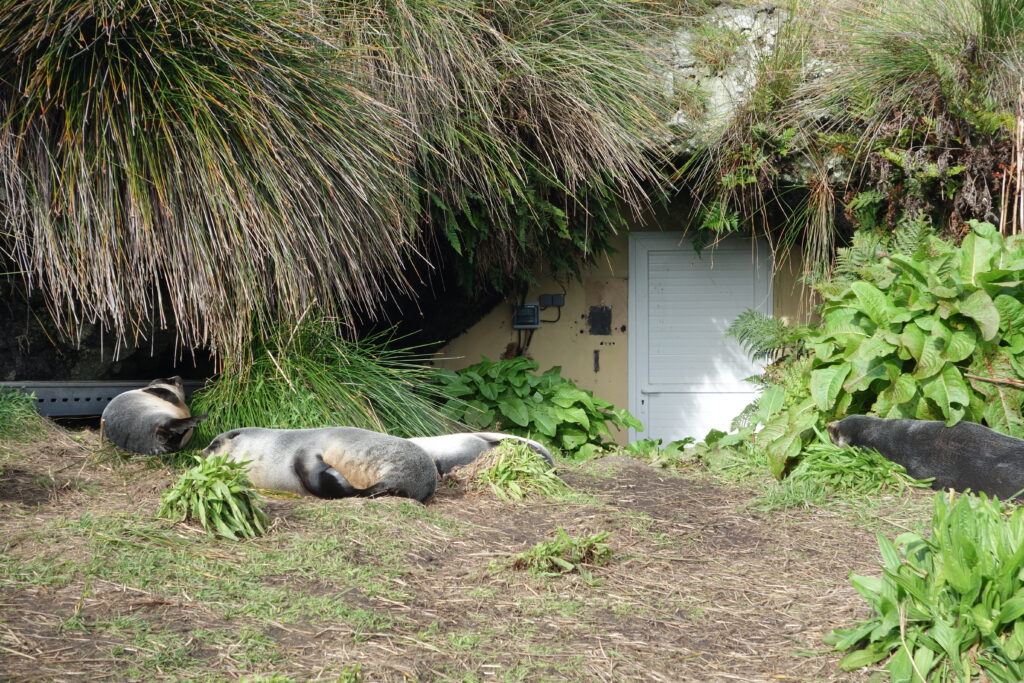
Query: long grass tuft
[18, 417]
[214, 164]
[309, 376]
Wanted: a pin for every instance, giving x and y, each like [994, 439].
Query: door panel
[685, 376]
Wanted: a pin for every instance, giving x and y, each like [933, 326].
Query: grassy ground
[703, 583]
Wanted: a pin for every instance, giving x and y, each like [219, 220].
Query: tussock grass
[227, 164]
[18, 417]
[309, 376]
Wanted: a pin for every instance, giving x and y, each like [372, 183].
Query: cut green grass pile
[217, 494]
[564, 554]
[948, 607]
[514, 471]
[862, 471]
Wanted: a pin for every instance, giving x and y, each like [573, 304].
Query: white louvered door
[685, 377]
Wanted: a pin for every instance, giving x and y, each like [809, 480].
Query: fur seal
[964, 456]
[452, 450]
[152, 420]
[330, 462]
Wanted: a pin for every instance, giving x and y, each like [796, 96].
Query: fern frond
[764, 337]
[912, 236]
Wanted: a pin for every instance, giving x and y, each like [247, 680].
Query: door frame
[640, 244]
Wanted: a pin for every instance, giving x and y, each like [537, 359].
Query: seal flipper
[172, 432]
[322, 480]
[383, 489]
[180, 425]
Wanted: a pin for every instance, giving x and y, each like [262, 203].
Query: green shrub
[907, 327]
[948, 607]
[217, 494]
[18, 416]
[519, 471]
[508, 395]
[565, 554]
[310, 376]
[671, 454]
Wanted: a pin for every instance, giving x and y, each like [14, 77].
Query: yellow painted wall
[567, 342]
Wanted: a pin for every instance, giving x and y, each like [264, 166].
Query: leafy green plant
[948, 607]
[548, 406]
[216, 493]
[765, 337]
[18, 416]
[518, 471]
[565, 554]
[308, 375]
[671, 454]
[936, 334]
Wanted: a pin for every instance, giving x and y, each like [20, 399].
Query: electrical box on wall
[552, 300]
[526, 317]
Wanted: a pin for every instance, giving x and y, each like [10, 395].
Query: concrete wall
[595, 362]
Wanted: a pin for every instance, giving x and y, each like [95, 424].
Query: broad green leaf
[826, 384]
[932, 358]
[863, 373]
[913, 338]
[772, 400]
[1011, 313]
[545, 422]
[982, 310]
[515, 409]
[575, 415]
[976, 254]
[572, 438]
[873, 302]
[862, 658]
[1012, 610]
[949, 391]
[961, 345]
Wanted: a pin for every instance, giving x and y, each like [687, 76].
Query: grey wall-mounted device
[526, 316]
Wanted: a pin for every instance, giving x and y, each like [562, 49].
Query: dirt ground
[700, 587]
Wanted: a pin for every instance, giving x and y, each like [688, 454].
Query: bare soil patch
[700, 587]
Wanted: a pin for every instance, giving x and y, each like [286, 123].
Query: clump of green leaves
[565, 554]
[508, 394]
[18, 416]
[905, 335]
[309, 375]
[652, 451]
[518, 471]
[948, 607]
[217, 494]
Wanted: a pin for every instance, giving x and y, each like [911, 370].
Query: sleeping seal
[451, 450]
[330, 462]
[152, 420]
[964, 456]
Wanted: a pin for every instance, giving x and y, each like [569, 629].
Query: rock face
[713, 63]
